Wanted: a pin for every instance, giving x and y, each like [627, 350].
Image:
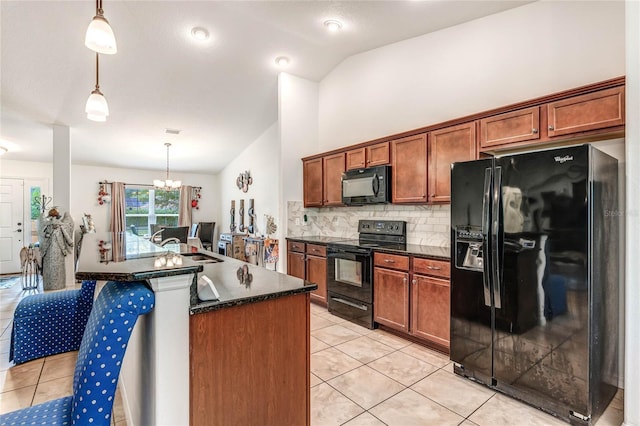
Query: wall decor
[103, 194]
[232, 213]
[195, 197]
[252, 215]
[241, 227]
[244, 180]
[270, 227]
[43, 203]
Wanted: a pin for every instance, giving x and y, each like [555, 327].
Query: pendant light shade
[99, 37]
[96, 107]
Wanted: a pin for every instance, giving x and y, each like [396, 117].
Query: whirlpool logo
[563, 159]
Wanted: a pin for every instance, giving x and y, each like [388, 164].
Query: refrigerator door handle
[486, 223]
[495, 230]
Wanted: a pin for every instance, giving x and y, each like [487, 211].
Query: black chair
[179, 232]
[206, 234]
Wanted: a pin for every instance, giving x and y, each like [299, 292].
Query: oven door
[349, 273]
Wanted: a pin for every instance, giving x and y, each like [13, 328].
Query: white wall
[84, 191]
[526, 52]
[262, 160]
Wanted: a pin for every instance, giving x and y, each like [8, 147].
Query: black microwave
[366, 186]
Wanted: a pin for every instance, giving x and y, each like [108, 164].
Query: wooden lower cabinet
[317, 273]
[430, 309]
[250, 364]
[391, 298]
[296, 264]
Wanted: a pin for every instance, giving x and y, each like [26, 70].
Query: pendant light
[167, 184]
[99, 37]
[97, 108]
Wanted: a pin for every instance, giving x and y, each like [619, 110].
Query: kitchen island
[239, 358]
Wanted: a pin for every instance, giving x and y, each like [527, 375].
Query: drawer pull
[389, 261]
[434, 268]
[346, 302]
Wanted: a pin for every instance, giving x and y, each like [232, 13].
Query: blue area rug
[8, 282]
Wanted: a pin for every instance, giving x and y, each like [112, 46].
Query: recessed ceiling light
[200, 34]
[282, 61]
[333, 25]
[3, 150]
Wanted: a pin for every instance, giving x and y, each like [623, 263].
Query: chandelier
[167, 184]
[96, 107]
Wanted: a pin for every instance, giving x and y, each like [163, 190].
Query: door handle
[486, 205]
[495, 255]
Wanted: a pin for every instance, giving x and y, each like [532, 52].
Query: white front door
[11, 224]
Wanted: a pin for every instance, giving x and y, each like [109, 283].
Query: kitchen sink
[202, 258]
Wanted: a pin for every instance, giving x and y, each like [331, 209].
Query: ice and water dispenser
[469, 253]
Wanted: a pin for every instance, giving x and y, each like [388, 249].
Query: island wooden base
[249, 364]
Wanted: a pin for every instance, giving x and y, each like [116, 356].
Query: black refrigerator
[534, 278]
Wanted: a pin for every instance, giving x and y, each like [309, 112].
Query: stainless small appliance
[350, 268]
[366, 186]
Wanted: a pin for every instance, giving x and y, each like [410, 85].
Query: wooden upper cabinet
[510, 127]
[378, 154]
[446, 146]
[333, 166]
[368, 156]
[356, 158]
[312, 178]
[409, 175]
[592, 111]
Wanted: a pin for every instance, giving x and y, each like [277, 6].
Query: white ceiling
[222, 94]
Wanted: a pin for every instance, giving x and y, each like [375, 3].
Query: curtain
[117, 207]
[184, 214]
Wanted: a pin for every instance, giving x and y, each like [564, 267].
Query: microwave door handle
[486, 224]
[375, 185]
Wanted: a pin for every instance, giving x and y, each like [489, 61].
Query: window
[145, 207]
[35, 197]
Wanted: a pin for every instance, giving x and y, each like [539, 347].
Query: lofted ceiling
[221, 94]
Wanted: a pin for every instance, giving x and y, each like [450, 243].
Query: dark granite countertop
[435, 252]
[239, 282]
[128, 257]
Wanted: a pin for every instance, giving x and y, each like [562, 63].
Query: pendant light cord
[97, 73]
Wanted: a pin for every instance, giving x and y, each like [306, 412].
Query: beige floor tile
[365, 386]
[505, 411]
[317, 345]
[364, 349]
[317, 309]
[55, 368]
[318, 322]
[315, 380]
[403, 368]
[22, 375]
[330, 363]
[389, 339]
[468, 422]
[455, 393]
[333, 318]
[428, 355]
[16, 399]
[364, 419]
[409, 408]
[335, 335]
[73, 354]
[329, 407]
[53, 389]
[355, 327]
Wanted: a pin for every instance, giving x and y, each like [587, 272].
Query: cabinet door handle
[389, 261]
[434, 268]
[413, 281]
[551, 128]
[404, 280]
[534, 130]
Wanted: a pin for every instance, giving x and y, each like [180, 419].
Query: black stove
[350, 268]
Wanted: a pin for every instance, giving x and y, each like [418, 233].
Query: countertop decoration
[244, 180]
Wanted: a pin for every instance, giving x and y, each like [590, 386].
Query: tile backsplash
[426, 225]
